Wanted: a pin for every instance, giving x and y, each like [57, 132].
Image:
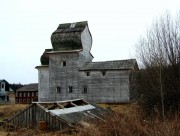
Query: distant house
[27, 93]
[6, 92]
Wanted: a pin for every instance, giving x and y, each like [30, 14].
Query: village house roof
[29, 88]
[110, 65]
[68, 36]
[3, 80]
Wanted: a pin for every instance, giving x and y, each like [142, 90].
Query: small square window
[28, 100]
[64, 63]
[58, 89]
[87, 73]
[70, 89]
[85, 89]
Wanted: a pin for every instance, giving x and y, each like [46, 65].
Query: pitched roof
[68, 36]
[73, 111]
[3, 80]
[29, 88]
[110, 65]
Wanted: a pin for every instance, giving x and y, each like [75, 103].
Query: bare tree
[159, 52]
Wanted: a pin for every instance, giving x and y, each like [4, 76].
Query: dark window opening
[104, 73]
[87, 73]
[2, 86]
[85, 89]
[64, 63]
[70, 89]
[58, 90]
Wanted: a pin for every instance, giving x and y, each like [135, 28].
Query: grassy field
[126, 120]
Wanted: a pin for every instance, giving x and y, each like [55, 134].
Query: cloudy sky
[115, 25]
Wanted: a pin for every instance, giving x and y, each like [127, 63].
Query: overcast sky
[115, 25]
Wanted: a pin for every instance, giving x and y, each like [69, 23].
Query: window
[2, 86]
[32, 94]
[87, 73]
[103, 73]
[58, 89]
[20, 94]
[24, 100]
[72, 25]
[20, 100]
[64, 63]
[16, 94]
[24, 94]
[70, 89]
[28, 101]
[28, 94]
[85, 89]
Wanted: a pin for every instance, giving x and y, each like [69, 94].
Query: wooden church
[67, 71]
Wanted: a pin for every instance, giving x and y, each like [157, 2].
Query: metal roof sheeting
[73, 111]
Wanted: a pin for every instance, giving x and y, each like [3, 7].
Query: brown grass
[126, 120]
[10, 109]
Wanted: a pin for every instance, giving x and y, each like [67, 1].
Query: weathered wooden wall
[43, 80]
[31, 117]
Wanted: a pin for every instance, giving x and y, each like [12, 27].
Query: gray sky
[115, 25]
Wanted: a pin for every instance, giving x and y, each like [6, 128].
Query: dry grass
[126, 120]
[10, 109]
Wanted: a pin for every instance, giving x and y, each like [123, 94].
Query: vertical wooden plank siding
[31, 116]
